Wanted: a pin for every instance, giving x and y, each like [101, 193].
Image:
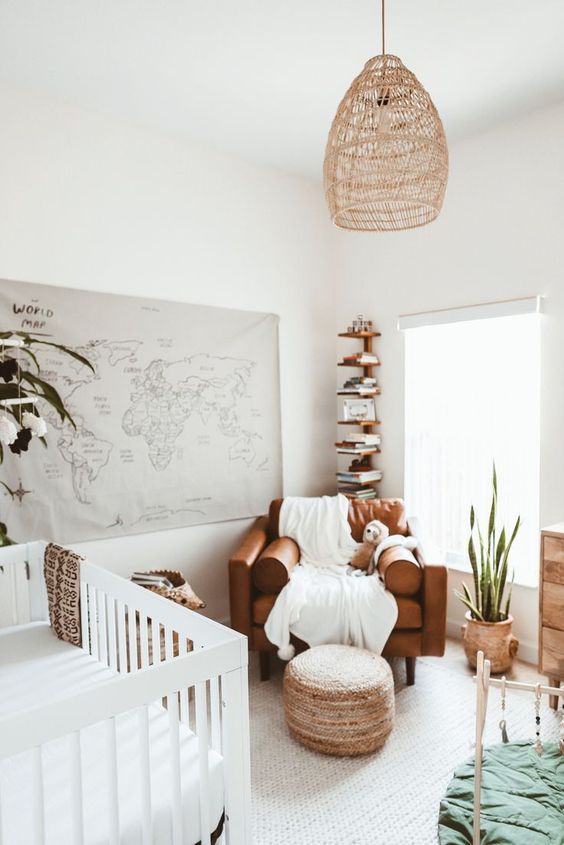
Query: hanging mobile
[538, 743]
[503, 723]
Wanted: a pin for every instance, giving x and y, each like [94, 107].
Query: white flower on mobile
[36, 425]
[8, 431]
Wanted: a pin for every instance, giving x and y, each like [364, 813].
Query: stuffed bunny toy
[375, 532]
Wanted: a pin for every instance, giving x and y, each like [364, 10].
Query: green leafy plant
[490, 572]
[28, 383]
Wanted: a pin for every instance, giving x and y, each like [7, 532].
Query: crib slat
[1, 822]
[112, 645]
[203, 760]
[184, 709]
[143, 640]
[76, 789]
[13, 595]
[145, 761]
[235, 744]
[112, 775]
[102, 629]
[84, 628]
[169, 653]
[122, 649]
[175, 781]
[132, 637]
[155, 641]
[38, 793]
[93, 621]
[215, 715]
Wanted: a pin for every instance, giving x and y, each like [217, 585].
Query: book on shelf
[366, 380]
[351, 449]
[363, 438]
[361, 358]
[358, 389]
[364, 495]
[363, 475]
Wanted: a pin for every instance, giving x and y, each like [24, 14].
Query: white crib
[141, 736]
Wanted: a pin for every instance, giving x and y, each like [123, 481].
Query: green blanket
[522, 798]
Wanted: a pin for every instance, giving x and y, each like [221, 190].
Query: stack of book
[361, 358]
[360, 384]
[346, 448]
[363, 493]
[357, 484]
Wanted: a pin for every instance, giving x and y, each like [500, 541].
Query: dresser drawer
[553, 560]
[553, 605]
[552, 654]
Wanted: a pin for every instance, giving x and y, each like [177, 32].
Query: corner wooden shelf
[360, 394]
[360, 453]
[347, 364]
[359, 334]
[367, 426]
[359, 422]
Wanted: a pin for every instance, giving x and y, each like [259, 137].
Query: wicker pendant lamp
[386, 160]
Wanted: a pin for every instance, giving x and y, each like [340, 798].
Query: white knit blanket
[326, 601]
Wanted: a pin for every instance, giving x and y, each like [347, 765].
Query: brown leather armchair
[263, 564]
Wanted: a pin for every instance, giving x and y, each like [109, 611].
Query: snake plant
[492, 590]
[23, 381]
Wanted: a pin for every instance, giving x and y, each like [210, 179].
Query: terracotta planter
[495, 639]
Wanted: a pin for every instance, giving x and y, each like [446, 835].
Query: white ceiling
[262, 79]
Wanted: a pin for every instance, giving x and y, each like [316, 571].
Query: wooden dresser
[551, 610]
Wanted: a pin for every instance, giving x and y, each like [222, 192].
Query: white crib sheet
[36, 666]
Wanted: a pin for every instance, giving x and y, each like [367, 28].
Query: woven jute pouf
[339, 700]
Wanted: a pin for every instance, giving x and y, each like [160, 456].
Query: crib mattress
[36, 666]
[522, 798]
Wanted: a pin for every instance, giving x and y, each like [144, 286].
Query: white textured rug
[388, 798]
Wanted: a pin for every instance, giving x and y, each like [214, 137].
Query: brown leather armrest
[435, 580]
[273, 568]
[400, 570]
[240, 583]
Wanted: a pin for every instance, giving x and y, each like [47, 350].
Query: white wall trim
[481, 311]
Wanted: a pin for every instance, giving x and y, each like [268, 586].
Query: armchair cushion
[401, 572]
[410, 616]
[274, 565]
[389, 511]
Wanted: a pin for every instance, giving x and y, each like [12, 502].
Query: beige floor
[391, 797]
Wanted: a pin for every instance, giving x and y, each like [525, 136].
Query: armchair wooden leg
[410, 670]
[264, 660]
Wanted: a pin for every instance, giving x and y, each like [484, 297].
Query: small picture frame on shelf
[359, 410]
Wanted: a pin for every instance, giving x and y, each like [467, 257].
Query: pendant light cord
[383, 29]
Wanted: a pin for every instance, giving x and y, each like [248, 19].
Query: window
[472, 395]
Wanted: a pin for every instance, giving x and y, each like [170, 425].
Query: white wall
[499, 236]
[90, 203]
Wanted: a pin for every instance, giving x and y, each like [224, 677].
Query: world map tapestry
[179, 424]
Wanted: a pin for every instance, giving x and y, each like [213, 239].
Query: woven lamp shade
[386, 161]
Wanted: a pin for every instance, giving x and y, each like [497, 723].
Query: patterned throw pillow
[62, 579]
